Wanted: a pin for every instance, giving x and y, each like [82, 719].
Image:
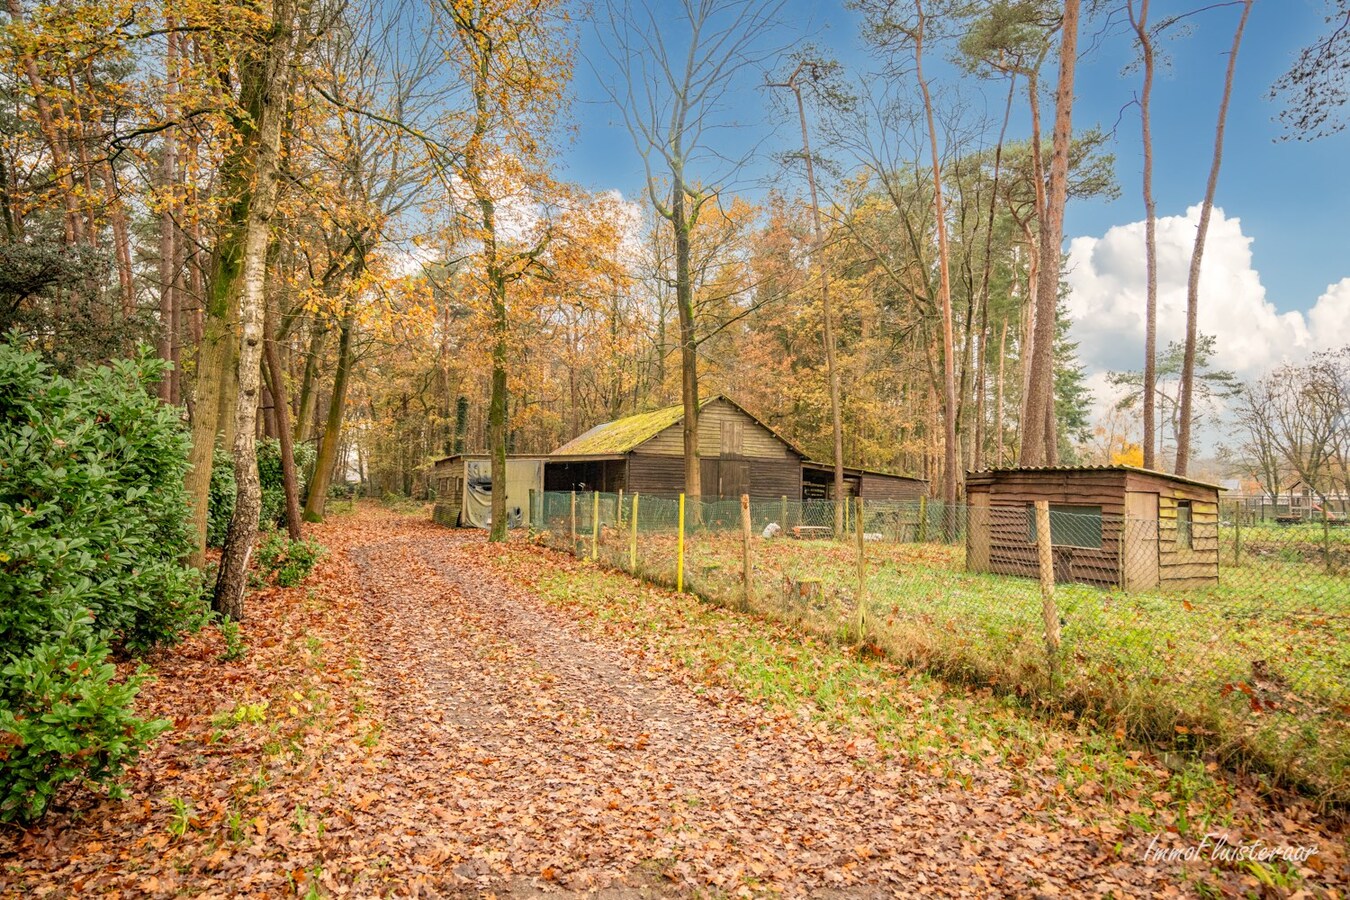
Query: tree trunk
[304, 413]
[497, 410]
[827, 317]
[684, 302]
[951, 476]
[328, 443]
[1150, 412]
[56, 141]
[290, 482]
[168, 250]
[1193, 280]
[998, 396]
[1039, 440]
[268, 103]
[977, 462]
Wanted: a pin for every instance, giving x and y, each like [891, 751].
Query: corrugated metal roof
[1103, 468]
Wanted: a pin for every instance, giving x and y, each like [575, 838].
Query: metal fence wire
[1199, 629]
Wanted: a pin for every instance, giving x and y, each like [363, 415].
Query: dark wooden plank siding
[658, 475]
[772, 480]
[1011, 552]
[891, 487]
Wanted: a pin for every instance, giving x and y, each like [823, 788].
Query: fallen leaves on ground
[418, 720]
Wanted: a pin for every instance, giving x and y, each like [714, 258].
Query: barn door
[734, 479]
[1140, 534]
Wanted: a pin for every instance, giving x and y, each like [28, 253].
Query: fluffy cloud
[1329, 320]
[1106, 281]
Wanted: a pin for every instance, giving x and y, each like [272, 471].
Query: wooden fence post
[922, 535]
[679, 552]
[862, 570]
[782, 519]
[574, 523]
[748, 576]
[1049, 613]
[1326, 539]
[618, 510]
[1237, 536]
[595, 525]
[532, 515]
[632, 535]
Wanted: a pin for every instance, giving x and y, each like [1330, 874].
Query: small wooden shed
[1117, 526]
[463, 485]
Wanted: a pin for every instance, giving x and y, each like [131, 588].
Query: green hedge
[93, 528]
[273, 512]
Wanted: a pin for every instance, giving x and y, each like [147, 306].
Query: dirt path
[526, 756]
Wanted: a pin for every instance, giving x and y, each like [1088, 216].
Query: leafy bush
[93, 525]
[273, 512]
[65, 717]
[288, 562]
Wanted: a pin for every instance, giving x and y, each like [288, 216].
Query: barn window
[1070, 525]
[1184, 530]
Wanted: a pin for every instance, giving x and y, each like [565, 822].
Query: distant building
[644, 453]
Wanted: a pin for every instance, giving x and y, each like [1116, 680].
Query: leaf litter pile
[433, 716]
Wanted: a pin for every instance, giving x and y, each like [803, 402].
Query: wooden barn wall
[448, 500]
[757, 442]
[1179, 567]
[773, 480]
[1010, 551]
[663, 476]
[888, 487]
[657, 475]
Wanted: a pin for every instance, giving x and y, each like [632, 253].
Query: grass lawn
[1253, 673]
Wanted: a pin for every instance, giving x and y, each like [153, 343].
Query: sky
[1276, 282]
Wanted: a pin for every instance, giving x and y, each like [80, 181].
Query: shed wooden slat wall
[448, 475]
[1011, 552]
[876, 486]
[657, 475]
[757, 442]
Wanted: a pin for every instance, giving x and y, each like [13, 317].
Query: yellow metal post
[679, 553]
[862, 570]
[595, 526]
[748, 567]
[632, 536]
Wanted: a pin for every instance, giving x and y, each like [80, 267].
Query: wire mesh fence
[1196, 627]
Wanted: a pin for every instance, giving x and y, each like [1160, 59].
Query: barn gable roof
[627, 434]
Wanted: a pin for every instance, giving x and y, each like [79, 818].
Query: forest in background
[344, 226]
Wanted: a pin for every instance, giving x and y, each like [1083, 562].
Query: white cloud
[1106, 281]
[1329, 319]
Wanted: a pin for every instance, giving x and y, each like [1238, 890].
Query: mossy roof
[624, 435]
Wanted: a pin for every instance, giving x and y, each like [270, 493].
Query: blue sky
[1290, 196]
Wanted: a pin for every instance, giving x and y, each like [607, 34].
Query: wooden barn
[645, 454]
[818, 483]
[1118, 526]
